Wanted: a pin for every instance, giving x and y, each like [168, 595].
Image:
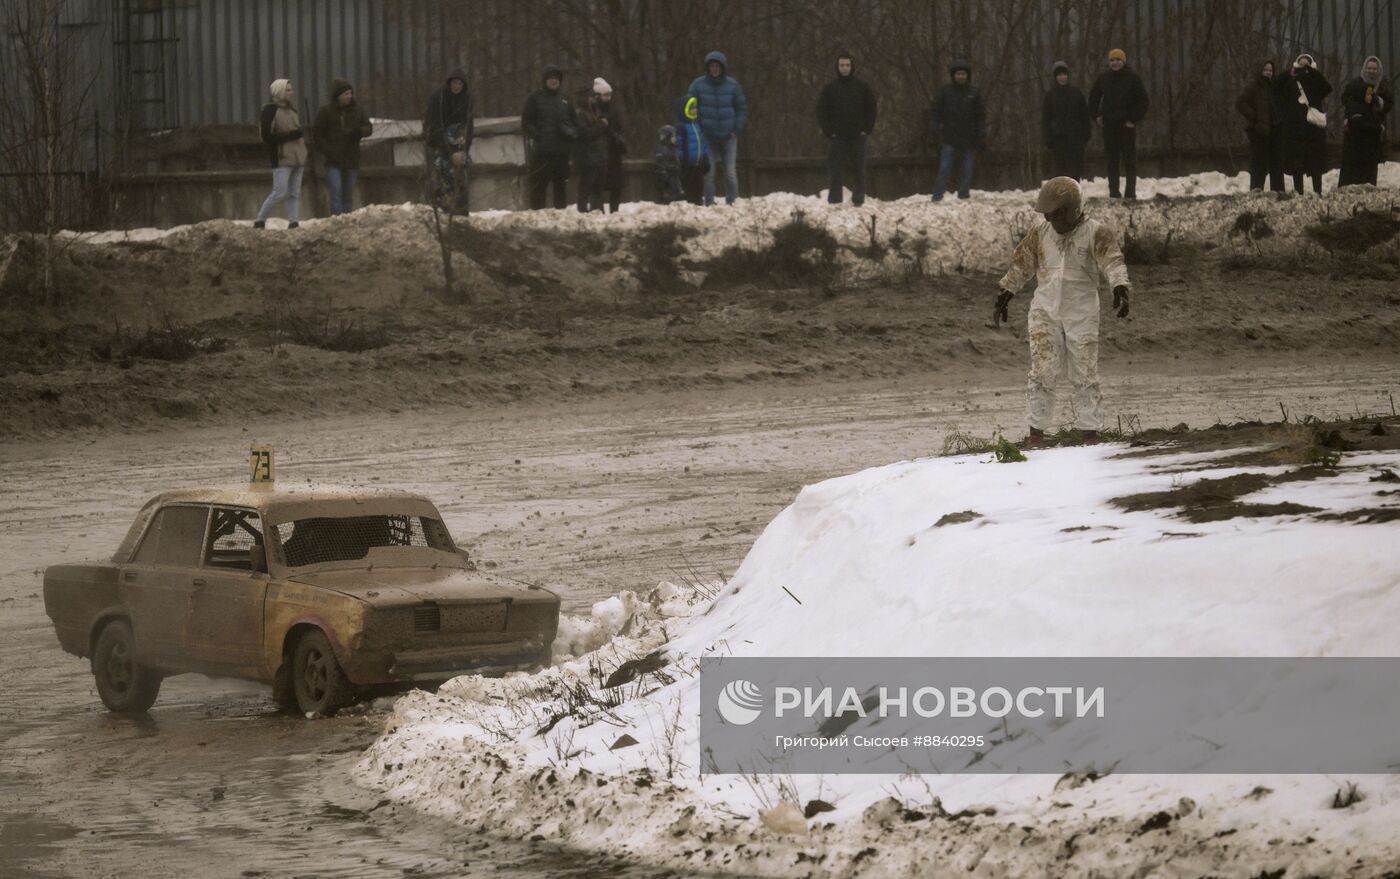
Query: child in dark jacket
[668, 166]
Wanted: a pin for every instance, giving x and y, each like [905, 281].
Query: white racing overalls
[1063, 324]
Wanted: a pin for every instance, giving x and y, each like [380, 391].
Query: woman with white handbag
[1304, 90]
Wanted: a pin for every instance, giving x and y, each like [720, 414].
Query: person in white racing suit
[1067, 253]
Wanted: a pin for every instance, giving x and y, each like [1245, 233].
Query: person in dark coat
[1365, 100]
[1118, 101]
[958, 120]
[340, 126]
[692, 150]
[846, 113]
[447, 137]
[549, 123]
[1263, 125]
[1304, 143]
[723, 114]
[667, 166]
[614, 143]
[1064, 124]
[590, 150]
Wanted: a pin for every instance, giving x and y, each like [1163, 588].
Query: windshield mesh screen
[313, 541]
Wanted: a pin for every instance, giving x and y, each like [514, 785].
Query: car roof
[270, 497]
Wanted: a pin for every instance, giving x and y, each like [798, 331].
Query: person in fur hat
[1301, 89]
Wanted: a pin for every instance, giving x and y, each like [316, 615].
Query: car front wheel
[125, 686]
[318, 681]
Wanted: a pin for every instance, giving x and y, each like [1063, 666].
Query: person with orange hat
[1118, 102]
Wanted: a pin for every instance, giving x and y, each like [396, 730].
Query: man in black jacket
[339, 128]
[959, 120]
[1118, 102]
[846, 114]
[548, 120]
[1064, 124]
[447, 136]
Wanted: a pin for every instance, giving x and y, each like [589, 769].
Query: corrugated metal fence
[190, 63]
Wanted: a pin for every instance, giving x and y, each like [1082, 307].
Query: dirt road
[610, 493]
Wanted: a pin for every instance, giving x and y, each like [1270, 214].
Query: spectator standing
[846, 113]
[1304, 90]
[667, 166]
[447, 137]
[958, 120]
[723, 114]
[590, 150]
[340, 126]
[690, 147]
[280, 128]
[613, 141]
[1118, 101]
[1064, 124]
[1366, 100]
[1263, 125]
[549, 123]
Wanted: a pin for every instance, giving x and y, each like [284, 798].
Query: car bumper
[441, 663]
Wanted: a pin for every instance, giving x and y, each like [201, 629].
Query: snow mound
[603, 752]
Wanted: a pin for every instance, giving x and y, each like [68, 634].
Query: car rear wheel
[125, 686]
[318, 681]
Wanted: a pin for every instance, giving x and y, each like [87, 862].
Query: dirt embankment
[220, 321]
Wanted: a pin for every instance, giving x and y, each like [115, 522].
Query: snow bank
[1049, 569]
[953, 235]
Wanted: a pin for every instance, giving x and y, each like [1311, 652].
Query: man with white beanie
[1067, 253]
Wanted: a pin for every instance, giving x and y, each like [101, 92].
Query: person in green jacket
[340, 126]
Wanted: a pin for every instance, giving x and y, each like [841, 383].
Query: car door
[155, 584]
[226, 603]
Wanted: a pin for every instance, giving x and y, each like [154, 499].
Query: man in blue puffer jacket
[724, 112]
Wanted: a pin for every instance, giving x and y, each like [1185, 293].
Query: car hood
[394, 586]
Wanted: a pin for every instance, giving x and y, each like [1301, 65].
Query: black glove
[1120, 300]
[1000, 313]
[294, 134]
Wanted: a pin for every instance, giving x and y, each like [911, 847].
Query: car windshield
[318, 540]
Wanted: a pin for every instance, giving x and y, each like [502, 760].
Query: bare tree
[43, 108]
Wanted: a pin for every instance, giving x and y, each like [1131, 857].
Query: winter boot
[1035, 439]
[1091, 437]
[259, 224]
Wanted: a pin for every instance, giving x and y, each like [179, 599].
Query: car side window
[235, 541]
[176, 537]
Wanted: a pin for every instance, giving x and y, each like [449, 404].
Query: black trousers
[546, 171]
[841, 153]
[1266, 159]
[591, 180]
[1067, 159]
[693, 183]
[1120, 145]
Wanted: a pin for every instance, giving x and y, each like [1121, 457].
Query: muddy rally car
[323, 593]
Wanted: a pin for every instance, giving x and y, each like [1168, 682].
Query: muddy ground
[588, 444]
